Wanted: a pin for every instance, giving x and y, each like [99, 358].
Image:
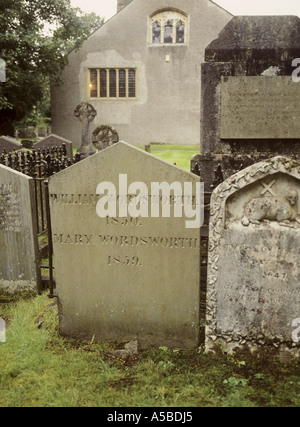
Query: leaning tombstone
[121, 276]
[19, 259]
[8, 145]
[253, 292]
[56, 141]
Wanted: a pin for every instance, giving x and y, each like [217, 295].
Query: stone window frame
[104, 91]
[163, 17]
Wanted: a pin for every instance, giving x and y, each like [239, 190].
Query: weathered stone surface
[260, 108]
[9, 144]
[56, 141]
[19, 269]
[124, 278]
[104, 136]
[251, 59]
[257, 38]
[85, 113]
[253, 293]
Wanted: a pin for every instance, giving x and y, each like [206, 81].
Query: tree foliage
[35, 38]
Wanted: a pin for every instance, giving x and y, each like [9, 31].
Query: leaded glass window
[114, 83]
[168, 27]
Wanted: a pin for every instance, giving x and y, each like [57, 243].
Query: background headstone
[19, 267]
[9, 144]
[249, 101]
[104, 136]
[123, 278]
[253, 292]
[85, 113]
[55, 141]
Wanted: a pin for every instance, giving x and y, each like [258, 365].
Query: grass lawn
[179, 154]
[39, 368]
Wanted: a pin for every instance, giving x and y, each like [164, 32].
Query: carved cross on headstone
[268, 188]
[104, 136]
[86, 113]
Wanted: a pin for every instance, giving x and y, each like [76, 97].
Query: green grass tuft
[39, 368]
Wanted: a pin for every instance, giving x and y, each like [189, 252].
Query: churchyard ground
[39, 368]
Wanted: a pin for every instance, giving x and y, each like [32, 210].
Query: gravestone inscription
[259, 108]
[19, 267]
[124, 277]
[253, 291]
[250, 103]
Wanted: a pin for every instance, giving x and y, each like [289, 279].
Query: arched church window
[156, 32]
[180, 30]
[168, 33]
[168, 27]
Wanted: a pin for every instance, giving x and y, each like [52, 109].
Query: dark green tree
[35, 39]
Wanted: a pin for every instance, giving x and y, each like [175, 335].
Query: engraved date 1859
[125, 261]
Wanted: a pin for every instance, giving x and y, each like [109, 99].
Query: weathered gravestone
[56, 141]
[124, 278]
[249, 100]
[9, 144]
[104, 136]
[85, 113]
[19, 268]
[253, 295]
[250, 105]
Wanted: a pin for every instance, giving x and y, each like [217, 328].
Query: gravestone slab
[124, 278]
[253, 295]
[249, 100]
[9, 144]
[260, 108]
[55, 141]
[19, 268]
